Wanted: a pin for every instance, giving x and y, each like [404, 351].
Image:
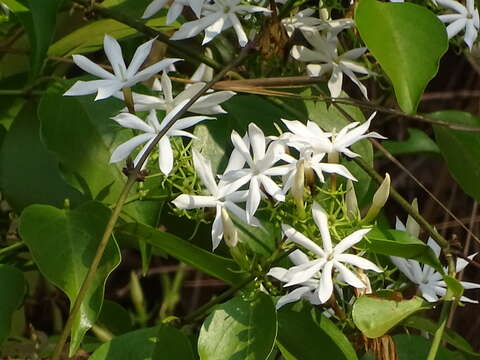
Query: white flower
[221, 198]
[327, 259]
[430, 282]
[312, 160]
[305, 22]
[151, 128]
[205, 105]
[260, 167]
[467, 18]
[324, 58]
[122, 76]
[305, 291]
[219, 16]
[311, 136]
[175, 9]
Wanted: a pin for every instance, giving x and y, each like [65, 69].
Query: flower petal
[194, 201]
[300, 239]
[125, 149]
[113, 51]
[358, 262]
[325, 290]
[90, 67]
[131, 121]
[321, 219]
[350, 240]
[165, 156]
[139, 57]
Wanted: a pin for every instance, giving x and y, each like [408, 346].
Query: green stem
[447, 307]
[128, 99]
[132, 178]
[11, 248]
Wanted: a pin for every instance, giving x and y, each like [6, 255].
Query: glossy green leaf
[63, 244]
[89, 38]
[399, 243]
[461, 149]
[303, 330]
[415, 347]
[218, 266]
[450, 336]
[135, 345]
[19, 164]
[416, 143]
[172, 344]
[398, 35]
[240, 329]
[329, 118]
[375, 316]
[40, 25]
[13, 288]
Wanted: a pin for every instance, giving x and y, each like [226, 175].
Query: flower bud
[379, 199]
[230, 234]
[351, 201]
[412, 226]
[299, 181]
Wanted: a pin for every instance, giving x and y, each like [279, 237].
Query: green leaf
[303, 330]
[450, 336]
[417, 142]
[172, 344]
[375, 316]
[240, 329]
[220, 267]
[13, 288]
[63, 244]
[461, 149]
[414, 347]
[135, 345]
[454, 286]
[399, 243]
[89, 38]
[83, 136]
[329, 118]
[23, 157]
[398, 35]
[40, 25]
[115, 318]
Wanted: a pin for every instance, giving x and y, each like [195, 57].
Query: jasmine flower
[466, 19]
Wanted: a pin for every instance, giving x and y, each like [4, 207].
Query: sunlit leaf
[375, 316]
[398, 35]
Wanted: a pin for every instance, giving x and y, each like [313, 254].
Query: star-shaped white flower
[151, 128]
[219, 16]
[122, 76]
[466, 18]
[312, 160]
[430, 282]
[305, 22]
[175, 9]
[328, 258]
[306, 290]
[221, 198]
[206, 105]
[324, 58]
[260, 167]
[311, 136]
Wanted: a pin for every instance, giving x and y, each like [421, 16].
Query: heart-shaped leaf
[63, 244]
[375, 316]
[241, 328]
[407, 40]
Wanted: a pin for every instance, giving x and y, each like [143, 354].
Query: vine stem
[132, 178]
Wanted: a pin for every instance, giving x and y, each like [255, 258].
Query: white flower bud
[230, 234]
[379, 199]
[382, 193]
[299, 181]
[351, 201]
[412, 226]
